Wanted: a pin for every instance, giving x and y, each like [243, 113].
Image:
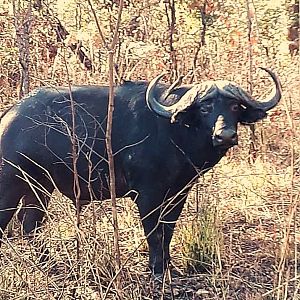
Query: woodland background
[238, 237]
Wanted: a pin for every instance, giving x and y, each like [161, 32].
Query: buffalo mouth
[224, 147]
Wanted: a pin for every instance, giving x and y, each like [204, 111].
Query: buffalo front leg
[159, 223]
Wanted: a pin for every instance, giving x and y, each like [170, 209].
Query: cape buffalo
[163, 137]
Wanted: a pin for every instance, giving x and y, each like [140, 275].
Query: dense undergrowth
[238, 236]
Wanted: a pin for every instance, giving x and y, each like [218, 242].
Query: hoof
[157, 278]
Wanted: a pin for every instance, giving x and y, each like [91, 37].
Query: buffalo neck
[195, 144]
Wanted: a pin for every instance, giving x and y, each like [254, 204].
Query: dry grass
[237, 239]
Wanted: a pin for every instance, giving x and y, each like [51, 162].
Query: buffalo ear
[252, 115]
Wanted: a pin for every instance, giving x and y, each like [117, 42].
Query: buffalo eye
[235, 107]
[206, 109]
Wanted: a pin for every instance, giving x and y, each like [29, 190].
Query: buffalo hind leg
[12, 189]
[32, 212]
[31, 217]
[10, 194]
[8, 206]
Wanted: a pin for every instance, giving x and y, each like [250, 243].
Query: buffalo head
[217, 106]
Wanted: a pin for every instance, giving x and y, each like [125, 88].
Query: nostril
[226, 137]
[234, 136]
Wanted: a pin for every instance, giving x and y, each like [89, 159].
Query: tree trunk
[111, 49]
[170, 6]
[250, 12]
[22, 23]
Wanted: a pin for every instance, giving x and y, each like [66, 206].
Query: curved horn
[151, 100]
[167, 111]
[271, 101]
